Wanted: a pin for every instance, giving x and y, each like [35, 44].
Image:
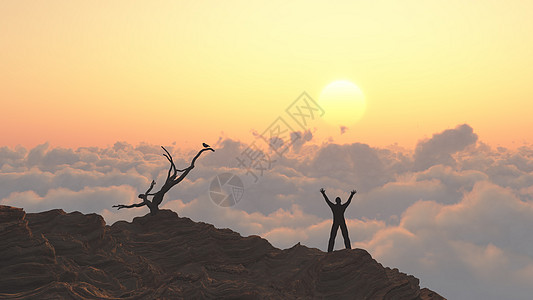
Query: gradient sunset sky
[91, 89]
[90, 73]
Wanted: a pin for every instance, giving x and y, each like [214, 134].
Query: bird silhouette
[205, 145]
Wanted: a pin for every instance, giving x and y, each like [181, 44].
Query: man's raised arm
[323, 191]
[350, 199]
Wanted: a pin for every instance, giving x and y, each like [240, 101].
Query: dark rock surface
[58, 255]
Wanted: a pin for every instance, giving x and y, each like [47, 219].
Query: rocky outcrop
[58, 255]
[27, 260]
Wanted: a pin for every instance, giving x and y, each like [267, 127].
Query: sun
[343, 103]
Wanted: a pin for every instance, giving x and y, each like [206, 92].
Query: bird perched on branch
[205, 145]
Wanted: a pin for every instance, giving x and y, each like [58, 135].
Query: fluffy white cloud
[86, 200]
[440, 148]
[454, 211]
[482, 239]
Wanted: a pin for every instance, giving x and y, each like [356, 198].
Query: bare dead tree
[172, 180]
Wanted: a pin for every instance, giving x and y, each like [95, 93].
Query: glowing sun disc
[343, 103]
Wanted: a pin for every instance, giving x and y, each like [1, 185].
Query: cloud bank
[454, 211]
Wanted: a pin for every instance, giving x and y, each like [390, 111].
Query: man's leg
[332, 236]
[344, 231]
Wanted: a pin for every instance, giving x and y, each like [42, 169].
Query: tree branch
[169, 183]
[187, 170]
[119, 206]
[172, 165]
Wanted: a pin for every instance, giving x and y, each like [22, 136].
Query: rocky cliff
[58, 255]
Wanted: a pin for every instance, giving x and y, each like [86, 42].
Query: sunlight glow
[343, 102]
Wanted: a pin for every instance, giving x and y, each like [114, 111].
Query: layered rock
[54, 254]
[27, 260]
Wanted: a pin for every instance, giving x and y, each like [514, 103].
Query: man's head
[338, 200]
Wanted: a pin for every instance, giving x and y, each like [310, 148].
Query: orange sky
[78, 73]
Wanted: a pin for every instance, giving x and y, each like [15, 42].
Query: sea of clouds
[454, 211]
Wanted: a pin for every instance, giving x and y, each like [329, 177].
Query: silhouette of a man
[338, 219]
